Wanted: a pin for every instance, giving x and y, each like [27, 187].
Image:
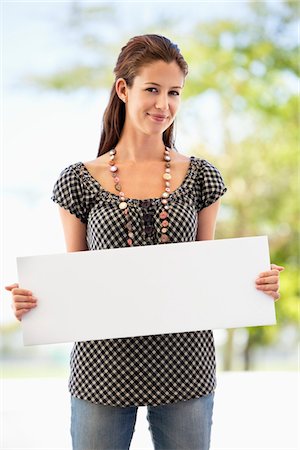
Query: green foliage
[67, 80]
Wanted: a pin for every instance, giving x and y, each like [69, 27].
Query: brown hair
[139, 51]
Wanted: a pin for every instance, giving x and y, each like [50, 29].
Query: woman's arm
[74, 231]
[207, 219]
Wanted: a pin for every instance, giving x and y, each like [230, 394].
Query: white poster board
[138, 291]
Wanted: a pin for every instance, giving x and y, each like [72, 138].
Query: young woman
[141, 191]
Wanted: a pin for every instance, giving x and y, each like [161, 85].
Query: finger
[17, 307]
[11, 286]
[268, 287]
[20, 306]
[19, 291]
[267, 280]
[280, 268]
[269, 273]
[25, 298]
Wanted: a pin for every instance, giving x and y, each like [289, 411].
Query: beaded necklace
[123, 205]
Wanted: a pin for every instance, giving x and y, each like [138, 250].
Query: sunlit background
[239, 111]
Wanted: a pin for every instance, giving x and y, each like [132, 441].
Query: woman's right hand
[22, 300]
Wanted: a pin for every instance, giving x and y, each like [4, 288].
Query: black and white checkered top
[144, 370]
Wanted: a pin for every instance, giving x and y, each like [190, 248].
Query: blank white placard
[155, 289]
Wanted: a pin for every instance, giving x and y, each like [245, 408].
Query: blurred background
[240, 110]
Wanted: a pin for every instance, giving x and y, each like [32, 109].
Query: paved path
[253, 411]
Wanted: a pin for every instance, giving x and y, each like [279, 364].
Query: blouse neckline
[88, 176]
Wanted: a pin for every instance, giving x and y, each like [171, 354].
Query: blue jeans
[184, 425]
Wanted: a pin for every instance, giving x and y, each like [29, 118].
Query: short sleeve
[69, 192]
[210, 185]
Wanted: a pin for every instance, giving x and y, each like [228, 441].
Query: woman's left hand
[268, 282]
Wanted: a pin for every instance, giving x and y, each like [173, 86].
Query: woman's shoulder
[74, 175]
[201, 168]
[179, 157]
[74, 190]
[209, 183]
[72, 169]
[99, 161]
[204, 166]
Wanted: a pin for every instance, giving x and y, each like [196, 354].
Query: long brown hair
[139, 51]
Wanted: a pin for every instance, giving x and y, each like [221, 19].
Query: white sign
[137, 291]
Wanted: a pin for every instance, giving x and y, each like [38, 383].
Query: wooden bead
[163, 215]
[123, 205]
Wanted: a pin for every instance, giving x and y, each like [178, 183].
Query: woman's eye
[173, 92]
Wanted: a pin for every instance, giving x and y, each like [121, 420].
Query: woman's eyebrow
[156, 84]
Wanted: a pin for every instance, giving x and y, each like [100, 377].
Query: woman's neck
[140, 150]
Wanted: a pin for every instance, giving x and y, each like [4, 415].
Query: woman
[141, 191]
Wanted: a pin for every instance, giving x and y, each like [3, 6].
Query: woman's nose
[162, 102]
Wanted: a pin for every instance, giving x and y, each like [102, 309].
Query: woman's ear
[121, 89]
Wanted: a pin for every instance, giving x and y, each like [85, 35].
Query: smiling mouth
[157, 118]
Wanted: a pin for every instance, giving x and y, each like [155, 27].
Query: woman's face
[156, 91]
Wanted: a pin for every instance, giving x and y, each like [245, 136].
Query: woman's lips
[157, 118]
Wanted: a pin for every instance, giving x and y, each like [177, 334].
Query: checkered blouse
[144, 370]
